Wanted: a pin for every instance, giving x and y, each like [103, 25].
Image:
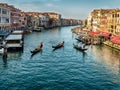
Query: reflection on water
[5, 62]
[11, 55]
[108, 57]
[14, 54]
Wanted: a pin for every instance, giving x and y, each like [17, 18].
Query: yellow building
[113, 21]
[117, 31]
[55, 18]
[106, 20]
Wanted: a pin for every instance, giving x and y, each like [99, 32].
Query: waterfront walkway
[110, 44]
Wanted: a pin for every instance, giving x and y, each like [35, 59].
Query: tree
[85, 23]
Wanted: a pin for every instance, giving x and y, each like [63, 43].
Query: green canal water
[64, 69]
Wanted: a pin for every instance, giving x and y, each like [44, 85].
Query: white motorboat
[1, 50]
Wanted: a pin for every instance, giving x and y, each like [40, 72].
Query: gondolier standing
[39, 48]
[41, 45]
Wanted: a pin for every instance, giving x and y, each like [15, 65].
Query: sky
[76, 9]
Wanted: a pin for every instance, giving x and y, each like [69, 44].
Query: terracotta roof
[51, 13]
[11, 7]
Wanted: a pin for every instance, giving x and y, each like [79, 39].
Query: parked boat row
[38, 29]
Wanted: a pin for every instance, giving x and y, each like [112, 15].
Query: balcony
[4, 24]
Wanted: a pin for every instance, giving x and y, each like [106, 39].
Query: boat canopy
[14, 37]
[17, 32]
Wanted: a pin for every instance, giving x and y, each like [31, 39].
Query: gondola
[58, 45]
[38, 49]
[79, 48]
[79, 39]
[88, 43]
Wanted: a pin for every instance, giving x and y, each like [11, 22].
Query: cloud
[29, 7]
[51, 5]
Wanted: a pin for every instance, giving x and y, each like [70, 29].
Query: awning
[105, 34]
[94, 33]
[115, 39]
[14, 37]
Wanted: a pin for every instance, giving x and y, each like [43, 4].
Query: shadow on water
[83, 54]
[36, 53]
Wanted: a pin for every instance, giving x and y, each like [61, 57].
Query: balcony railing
[4, 24]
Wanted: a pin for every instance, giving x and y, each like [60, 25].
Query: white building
[35, 21]
[4, 18]
[89, 20]
[44, 20]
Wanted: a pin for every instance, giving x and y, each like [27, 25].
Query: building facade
[105, 20]
[4, 18]
[14, 15]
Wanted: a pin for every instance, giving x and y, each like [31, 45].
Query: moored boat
[38, 29]
[79, 39]
[87, 43]
[79, 48]
[61, 44]
[1, 50]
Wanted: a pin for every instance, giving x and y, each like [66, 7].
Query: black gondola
[38, 49]
[58, 45]
[79, 48]
[87, 43]
[79, 39]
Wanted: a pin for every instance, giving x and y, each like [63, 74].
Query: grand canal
[64, 69]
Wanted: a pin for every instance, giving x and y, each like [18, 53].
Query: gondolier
[39, 48]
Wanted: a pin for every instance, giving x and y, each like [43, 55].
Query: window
[112, 26]
[4, 11]
[0, 10]
[8, 12]
[23, 23]
[113, 15]
[7, 20]
[24, 18]
[118, 15]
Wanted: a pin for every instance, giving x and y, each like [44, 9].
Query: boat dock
[15, 40]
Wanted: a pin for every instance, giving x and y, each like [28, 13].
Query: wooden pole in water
[5, 54]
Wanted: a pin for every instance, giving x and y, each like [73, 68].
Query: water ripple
[62, 69]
